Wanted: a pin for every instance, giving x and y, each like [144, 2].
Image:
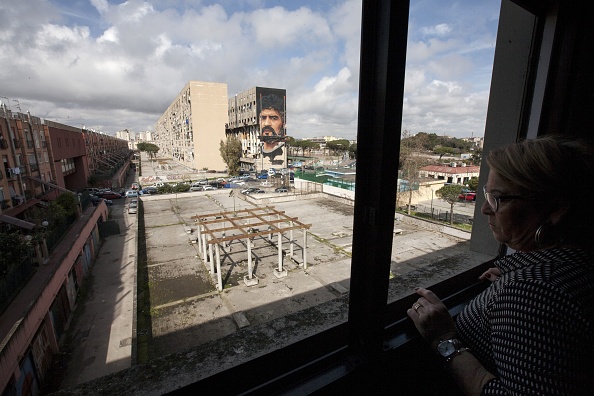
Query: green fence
[323, 178]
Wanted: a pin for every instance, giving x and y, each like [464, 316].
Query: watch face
[446, 348]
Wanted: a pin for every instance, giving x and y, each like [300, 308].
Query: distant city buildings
[477, 142]
[450, 173]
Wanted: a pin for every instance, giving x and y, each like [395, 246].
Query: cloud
[438, 30]
[119, 65]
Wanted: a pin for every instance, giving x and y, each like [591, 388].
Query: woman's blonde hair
[553, 170]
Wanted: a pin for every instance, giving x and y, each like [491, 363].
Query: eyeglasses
[494, 200]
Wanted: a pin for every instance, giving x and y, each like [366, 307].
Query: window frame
[520, 94]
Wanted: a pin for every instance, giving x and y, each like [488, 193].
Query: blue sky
[111, 65]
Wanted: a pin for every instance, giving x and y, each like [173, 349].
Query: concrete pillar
[44, 249]
[304, 249]
[280, 251]
[280, 272]
[204, 247]
[219, 277]
[38, 255]
[291, 242]
[250, 279]
[212, 267]
[249, 253]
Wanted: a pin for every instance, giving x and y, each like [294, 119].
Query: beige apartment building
[191, 128]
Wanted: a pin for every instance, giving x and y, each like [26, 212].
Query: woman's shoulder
[558, 259]
[567, 273]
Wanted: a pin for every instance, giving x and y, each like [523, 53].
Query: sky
[111, 65]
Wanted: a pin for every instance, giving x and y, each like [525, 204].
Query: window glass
[448, 73]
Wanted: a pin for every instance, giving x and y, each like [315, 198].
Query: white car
[131, 194]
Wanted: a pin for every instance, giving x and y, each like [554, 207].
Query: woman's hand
[431, 318]
[491, 274]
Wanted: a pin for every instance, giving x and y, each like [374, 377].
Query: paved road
[98, 341]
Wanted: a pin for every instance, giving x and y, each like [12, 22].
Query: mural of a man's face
[271, 127]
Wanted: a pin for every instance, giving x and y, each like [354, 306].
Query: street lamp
[262, 155]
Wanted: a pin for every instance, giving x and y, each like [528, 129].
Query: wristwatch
[448, 349]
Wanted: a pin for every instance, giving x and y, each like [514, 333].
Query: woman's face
[516, 220]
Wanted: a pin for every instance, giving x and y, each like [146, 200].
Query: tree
[150, 148]
[91, 180]
[410, 163]
[443, 151]
[353, 151]
[473, 183]
[450, 193]
[14, 250]
[336, 146]
[477, 156]
[231, 154]
[67, 201]
[298, 144]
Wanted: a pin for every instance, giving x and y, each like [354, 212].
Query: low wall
[38, 295]
[456, 232]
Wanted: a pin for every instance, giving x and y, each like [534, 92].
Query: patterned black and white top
[533, 328]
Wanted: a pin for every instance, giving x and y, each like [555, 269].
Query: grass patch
[144, 328]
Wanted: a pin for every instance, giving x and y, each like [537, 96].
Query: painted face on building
[272, 133]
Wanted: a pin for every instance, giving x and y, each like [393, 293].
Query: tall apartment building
[260, 150]
[191, 128]
[25, 158]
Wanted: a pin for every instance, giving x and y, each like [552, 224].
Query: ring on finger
[416, 307]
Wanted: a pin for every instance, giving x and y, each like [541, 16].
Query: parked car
[197, 187]
[469, 196]
[250, 190]
[281, 190]
[150, 190]
[135, 186]
[263, 176]
[110, 195]
[95, 200]
[131, 194]
[208, 187]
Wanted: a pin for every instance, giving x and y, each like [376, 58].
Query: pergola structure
[219, 228]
